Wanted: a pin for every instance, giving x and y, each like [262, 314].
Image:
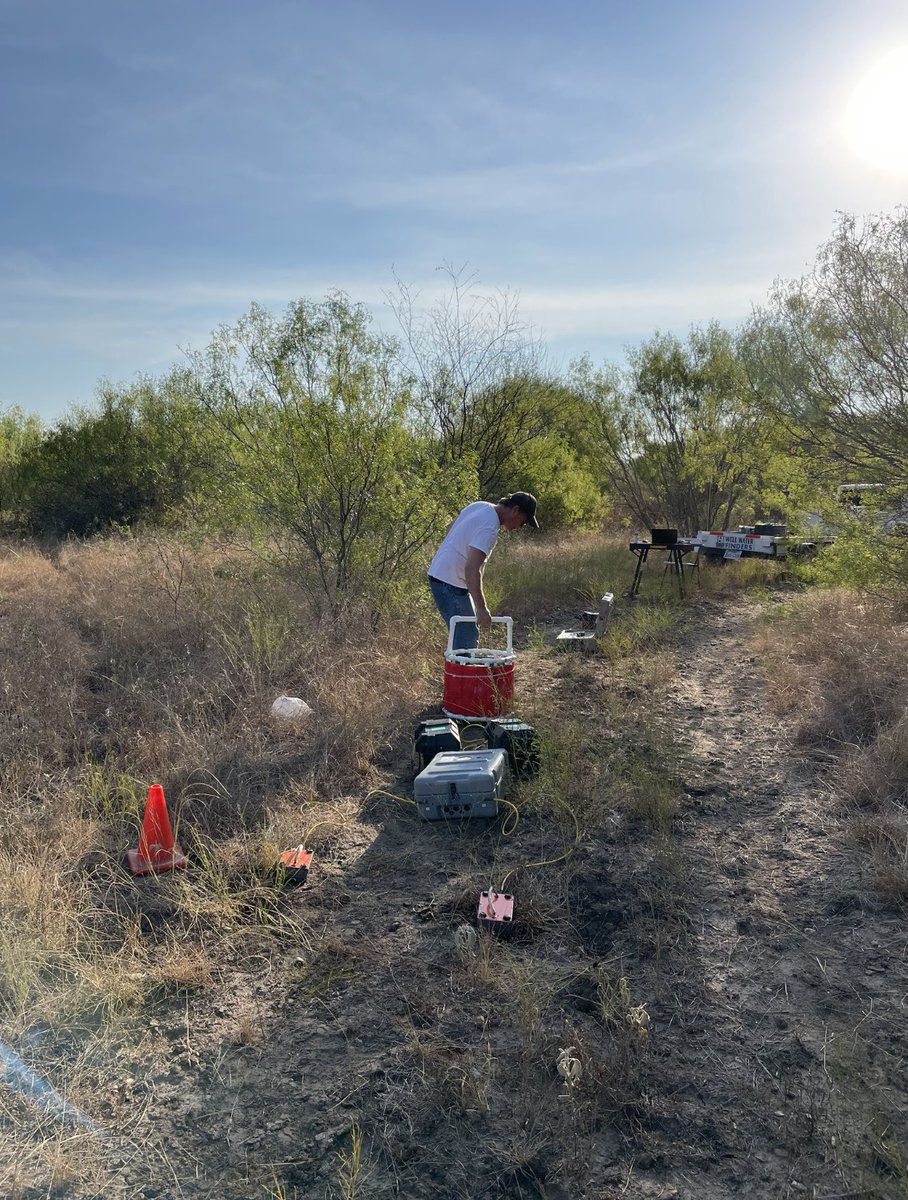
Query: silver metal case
[460, 784]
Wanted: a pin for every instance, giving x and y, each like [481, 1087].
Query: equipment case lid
[468, 770]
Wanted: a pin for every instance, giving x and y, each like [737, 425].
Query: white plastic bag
[290, 708]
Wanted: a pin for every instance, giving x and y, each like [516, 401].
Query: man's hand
[483, 618]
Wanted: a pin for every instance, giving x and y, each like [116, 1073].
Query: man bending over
[455, 573]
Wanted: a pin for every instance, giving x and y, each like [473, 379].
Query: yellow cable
[319, 824]
[347, 820]
[508, 825]
[340, 824]
[390, 795]
[476, 725]
[507, 828]
[548, 862]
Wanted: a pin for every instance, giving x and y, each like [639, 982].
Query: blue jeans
[451, 602]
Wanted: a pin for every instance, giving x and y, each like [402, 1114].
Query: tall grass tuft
[530, 575]
[838, 668]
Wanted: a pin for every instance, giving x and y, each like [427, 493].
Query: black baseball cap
[527, 505]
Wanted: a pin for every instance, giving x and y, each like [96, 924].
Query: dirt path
[783, 1043]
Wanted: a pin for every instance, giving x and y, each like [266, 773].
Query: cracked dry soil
[775, 981]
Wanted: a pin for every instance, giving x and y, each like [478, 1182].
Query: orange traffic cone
[157, 850]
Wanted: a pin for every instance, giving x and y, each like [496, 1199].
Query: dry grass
[720, 578]
[123, 663]
[528, 575]
[840, 662]
[54, 966]
[129, 662]
[838, 667]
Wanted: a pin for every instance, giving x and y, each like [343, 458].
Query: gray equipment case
[458, 784]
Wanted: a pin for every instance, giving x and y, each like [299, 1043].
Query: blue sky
[623, 167]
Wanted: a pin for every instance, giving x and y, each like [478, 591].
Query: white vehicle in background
[862, 501]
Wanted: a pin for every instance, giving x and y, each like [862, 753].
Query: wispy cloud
[24, 285]
[636, 311]
[542, 187]
[122, 313]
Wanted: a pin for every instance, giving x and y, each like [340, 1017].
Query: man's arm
[476, 561]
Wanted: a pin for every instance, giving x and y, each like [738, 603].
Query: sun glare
[876, 121]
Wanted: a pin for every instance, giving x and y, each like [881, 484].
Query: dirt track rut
[790, 982]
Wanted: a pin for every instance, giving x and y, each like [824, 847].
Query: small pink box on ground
[496, 908]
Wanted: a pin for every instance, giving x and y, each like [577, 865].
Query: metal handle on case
[508, 621]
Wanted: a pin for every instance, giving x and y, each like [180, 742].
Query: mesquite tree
[830, 353]
[480, 389]
[316, 411]
[681, 440]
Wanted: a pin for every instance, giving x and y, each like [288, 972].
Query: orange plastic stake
[296, 863]
[157, 850]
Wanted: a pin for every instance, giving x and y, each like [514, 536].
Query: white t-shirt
[477, 525]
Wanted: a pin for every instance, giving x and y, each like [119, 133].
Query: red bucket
[480, 689]
[479, 683]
